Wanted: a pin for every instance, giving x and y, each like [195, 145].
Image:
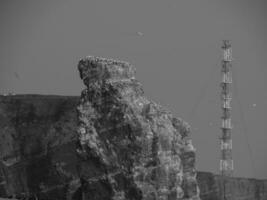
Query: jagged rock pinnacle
[129, 146]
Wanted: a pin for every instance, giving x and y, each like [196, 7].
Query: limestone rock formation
[129, 147]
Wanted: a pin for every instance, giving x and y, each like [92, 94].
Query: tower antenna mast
[226, 162]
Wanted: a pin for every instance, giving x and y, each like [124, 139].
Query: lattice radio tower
[226, 162]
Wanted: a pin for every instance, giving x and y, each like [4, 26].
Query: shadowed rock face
[129, 147]
[37, 146]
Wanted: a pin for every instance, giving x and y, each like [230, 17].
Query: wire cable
[202, 92]
[243, 123]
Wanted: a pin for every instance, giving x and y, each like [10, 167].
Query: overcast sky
[176, 48]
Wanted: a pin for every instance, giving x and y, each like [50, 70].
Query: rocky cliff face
[37, 146]
[129, 147]
[121, 145]
[212, 187]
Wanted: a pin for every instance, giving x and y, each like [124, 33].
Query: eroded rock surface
[38, 147]
[129, 146]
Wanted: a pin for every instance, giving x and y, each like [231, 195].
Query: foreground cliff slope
[129, 146]
[38, 146]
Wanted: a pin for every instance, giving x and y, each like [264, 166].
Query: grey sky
[175, 46]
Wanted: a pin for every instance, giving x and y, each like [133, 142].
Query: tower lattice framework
[226, 162]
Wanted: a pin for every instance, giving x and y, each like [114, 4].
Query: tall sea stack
[129, 147]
